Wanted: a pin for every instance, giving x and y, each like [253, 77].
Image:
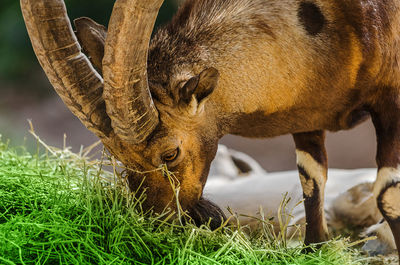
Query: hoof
[376, 247]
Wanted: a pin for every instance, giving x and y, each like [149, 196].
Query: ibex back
[255, 68]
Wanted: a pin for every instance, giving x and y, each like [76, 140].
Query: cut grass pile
[57, 208]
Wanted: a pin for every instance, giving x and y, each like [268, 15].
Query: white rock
[348, 195]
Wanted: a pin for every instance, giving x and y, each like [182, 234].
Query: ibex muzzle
[256, 68]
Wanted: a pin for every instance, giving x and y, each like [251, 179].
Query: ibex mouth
[205, 211]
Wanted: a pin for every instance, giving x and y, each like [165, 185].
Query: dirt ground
[347, 149]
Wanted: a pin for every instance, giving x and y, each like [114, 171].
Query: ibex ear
[91, 36]
[197, 90]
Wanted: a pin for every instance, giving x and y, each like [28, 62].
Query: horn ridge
[67, 68]
[126, 90]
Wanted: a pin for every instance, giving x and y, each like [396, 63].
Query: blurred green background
[18, 62]
[24, 88]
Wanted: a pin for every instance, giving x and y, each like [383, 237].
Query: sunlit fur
[275, 77]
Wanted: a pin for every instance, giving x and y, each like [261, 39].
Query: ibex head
[137, 117]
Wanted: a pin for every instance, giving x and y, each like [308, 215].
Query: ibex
[255, 68]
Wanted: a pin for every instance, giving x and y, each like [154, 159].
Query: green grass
[57, 207]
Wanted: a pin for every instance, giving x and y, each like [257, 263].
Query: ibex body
[255, 68]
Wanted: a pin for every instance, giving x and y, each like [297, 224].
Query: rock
[237, 181]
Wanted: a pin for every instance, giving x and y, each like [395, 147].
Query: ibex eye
[170, 156]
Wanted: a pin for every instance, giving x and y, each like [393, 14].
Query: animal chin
[204, 211]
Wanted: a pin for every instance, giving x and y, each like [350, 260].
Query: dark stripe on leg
[303, 172]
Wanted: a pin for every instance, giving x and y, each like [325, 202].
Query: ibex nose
[205, 211]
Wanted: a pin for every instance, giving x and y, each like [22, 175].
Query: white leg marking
[386, 175]
[391, 198]
[314, 169]
[391, 202]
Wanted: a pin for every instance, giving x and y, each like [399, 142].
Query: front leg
[312, 165]
[386, 118]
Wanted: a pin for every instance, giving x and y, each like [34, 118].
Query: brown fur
[335, 83]
[385, 116]
[313, 143]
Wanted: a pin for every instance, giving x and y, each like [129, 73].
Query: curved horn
[126, 90]
[68, 69]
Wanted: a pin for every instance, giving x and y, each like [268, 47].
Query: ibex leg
[386, 118]
[312, 165]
